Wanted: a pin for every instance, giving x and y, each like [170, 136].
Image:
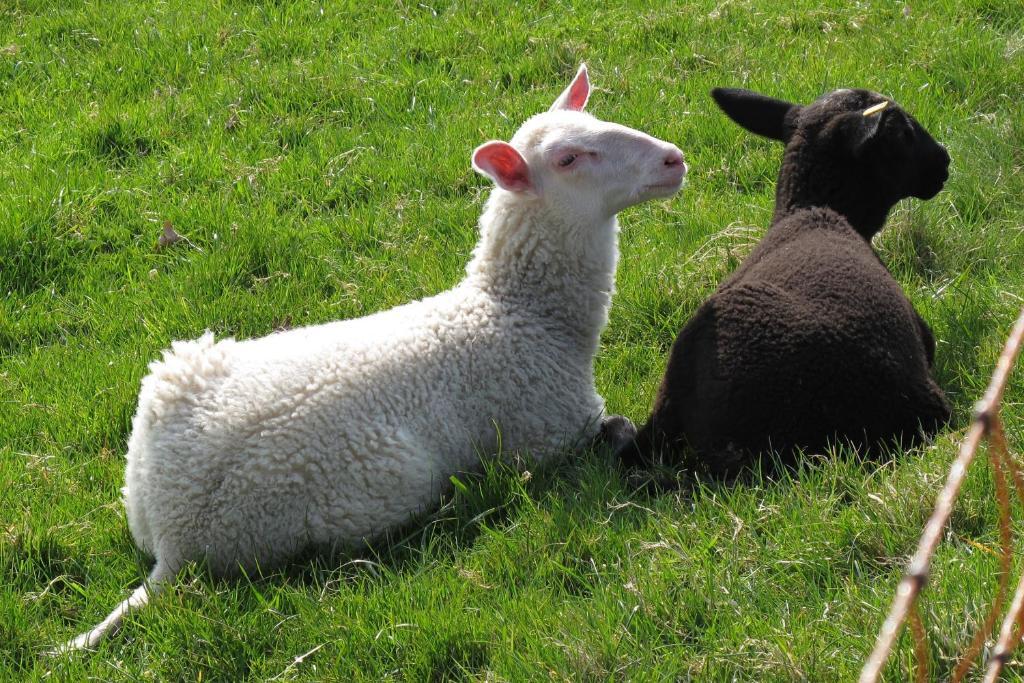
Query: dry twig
[986, 424]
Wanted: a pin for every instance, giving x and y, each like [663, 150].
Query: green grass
[317, 160]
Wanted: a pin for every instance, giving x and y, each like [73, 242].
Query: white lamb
[245, 452]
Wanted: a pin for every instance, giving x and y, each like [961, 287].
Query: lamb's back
[300, 436]
[811, 337]
[828, 286]
[332, 432]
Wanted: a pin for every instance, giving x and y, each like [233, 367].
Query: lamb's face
[888, 147]
[578, 165]
[585, 165]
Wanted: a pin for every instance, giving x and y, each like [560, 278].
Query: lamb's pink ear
[504, 164]
[576, 95]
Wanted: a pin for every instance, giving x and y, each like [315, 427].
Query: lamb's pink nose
[674, 158]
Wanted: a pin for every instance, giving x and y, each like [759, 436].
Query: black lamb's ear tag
[760, 114]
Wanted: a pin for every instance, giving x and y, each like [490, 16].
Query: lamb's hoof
[617, 431]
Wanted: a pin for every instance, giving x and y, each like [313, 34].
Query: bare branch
[1008, 638]
[999, 467]
[986, 424]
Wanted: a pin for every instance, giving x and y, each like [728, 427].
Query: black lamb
[811, 341]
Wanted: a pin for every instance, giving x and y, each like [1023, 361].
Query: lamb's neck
[803, 185]
[561, 271]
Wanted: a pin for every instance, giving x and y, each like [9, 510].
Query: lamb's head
[855, 151]
[579, 167]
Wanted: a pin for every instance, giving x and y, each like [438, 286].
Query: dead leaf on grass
[169, 236]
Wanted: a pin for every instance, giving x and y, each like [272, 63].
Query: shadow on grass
[972, 328]
[489, 498]
[580, 487]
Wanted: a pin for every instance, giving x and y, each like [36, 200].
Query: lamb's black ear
[757, 113]
[860, 128]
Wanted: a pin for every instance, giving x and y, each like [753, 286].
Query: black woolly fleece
[811, 340]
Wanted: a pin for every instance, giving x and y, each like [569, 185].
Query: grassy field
[316, 158]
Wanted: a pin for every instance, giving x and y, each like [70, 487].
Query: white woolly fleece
[251, 450]
[245, 452]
